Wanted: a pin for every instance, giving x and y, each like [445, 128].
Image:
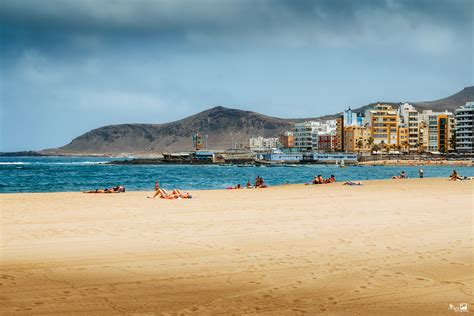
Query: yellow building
[403, 139]
[356, 138]
[383, 122]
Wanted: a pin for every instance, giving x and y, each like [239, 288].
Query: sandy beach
[389, 247]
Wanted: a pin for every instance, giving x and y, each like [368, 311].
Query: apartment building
[306, 134]
[403, 139]
[260, 143]
[356, 138]
[437, 130]
[409, 118]
[383, 122]
[465, 128]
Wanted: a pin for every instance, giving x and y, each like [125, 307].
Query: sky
[69, 66]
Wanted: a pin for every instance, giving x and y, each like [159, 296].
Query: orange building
[403, 138]
[356, 138]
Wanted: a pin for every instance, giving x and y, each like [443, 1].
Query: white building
[351, 118]
[306, 134]
[408, 117]
[465, 127]
[260, 143]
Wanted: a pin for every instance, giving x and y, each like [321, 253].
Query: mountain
[449, 103]
[223, 126]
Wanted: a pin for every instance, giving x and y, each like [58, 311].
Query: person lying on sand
[116, 189]
[402, 175]
[177, 194]
[353, 183]
[159, 192]
[238, 186]
[331, 179]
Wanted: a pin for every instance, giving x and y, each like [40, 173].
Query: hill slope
[224, 127]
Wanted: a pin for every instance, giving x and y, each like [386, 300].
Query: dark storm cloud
[28, 20]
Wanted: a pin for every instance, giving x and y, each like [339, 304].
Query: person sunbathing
[402, 175]
[353, 183]
[116, 189]
[331, 179]
[318, 179]
[455, 176]
[177, 194]
[159, 192]
[238, 186]
[259, 183]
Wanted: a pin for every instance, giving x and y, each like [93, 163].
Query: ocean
[63, 174]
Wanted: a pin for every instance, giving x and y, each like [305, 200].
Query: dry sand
[388, 247]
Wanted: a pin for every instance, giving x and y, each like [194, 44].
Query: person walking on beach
[420, 173]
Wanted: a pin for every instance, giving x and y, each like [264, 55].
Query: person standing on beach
[420, 173]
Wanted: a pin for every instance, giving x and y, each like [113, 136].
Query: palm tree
[452, 141]
[375, 147]
[370, 141]
[359, 144]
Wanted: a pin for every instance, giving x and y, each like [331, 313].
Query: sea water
[52, 174]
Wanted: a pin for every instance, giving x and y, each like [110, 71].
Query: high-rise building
[383, 122]
[465, 128]
[437, 130]
[408, 117]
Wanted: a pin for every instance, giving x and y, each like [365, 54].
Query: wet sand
[388, 247]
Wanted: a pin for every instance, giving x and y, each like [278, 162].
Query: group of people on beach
[319, 180]
[453, 177]
[259, 183]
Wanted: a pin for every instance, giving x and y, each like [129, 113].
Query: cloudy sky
[68, 66]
